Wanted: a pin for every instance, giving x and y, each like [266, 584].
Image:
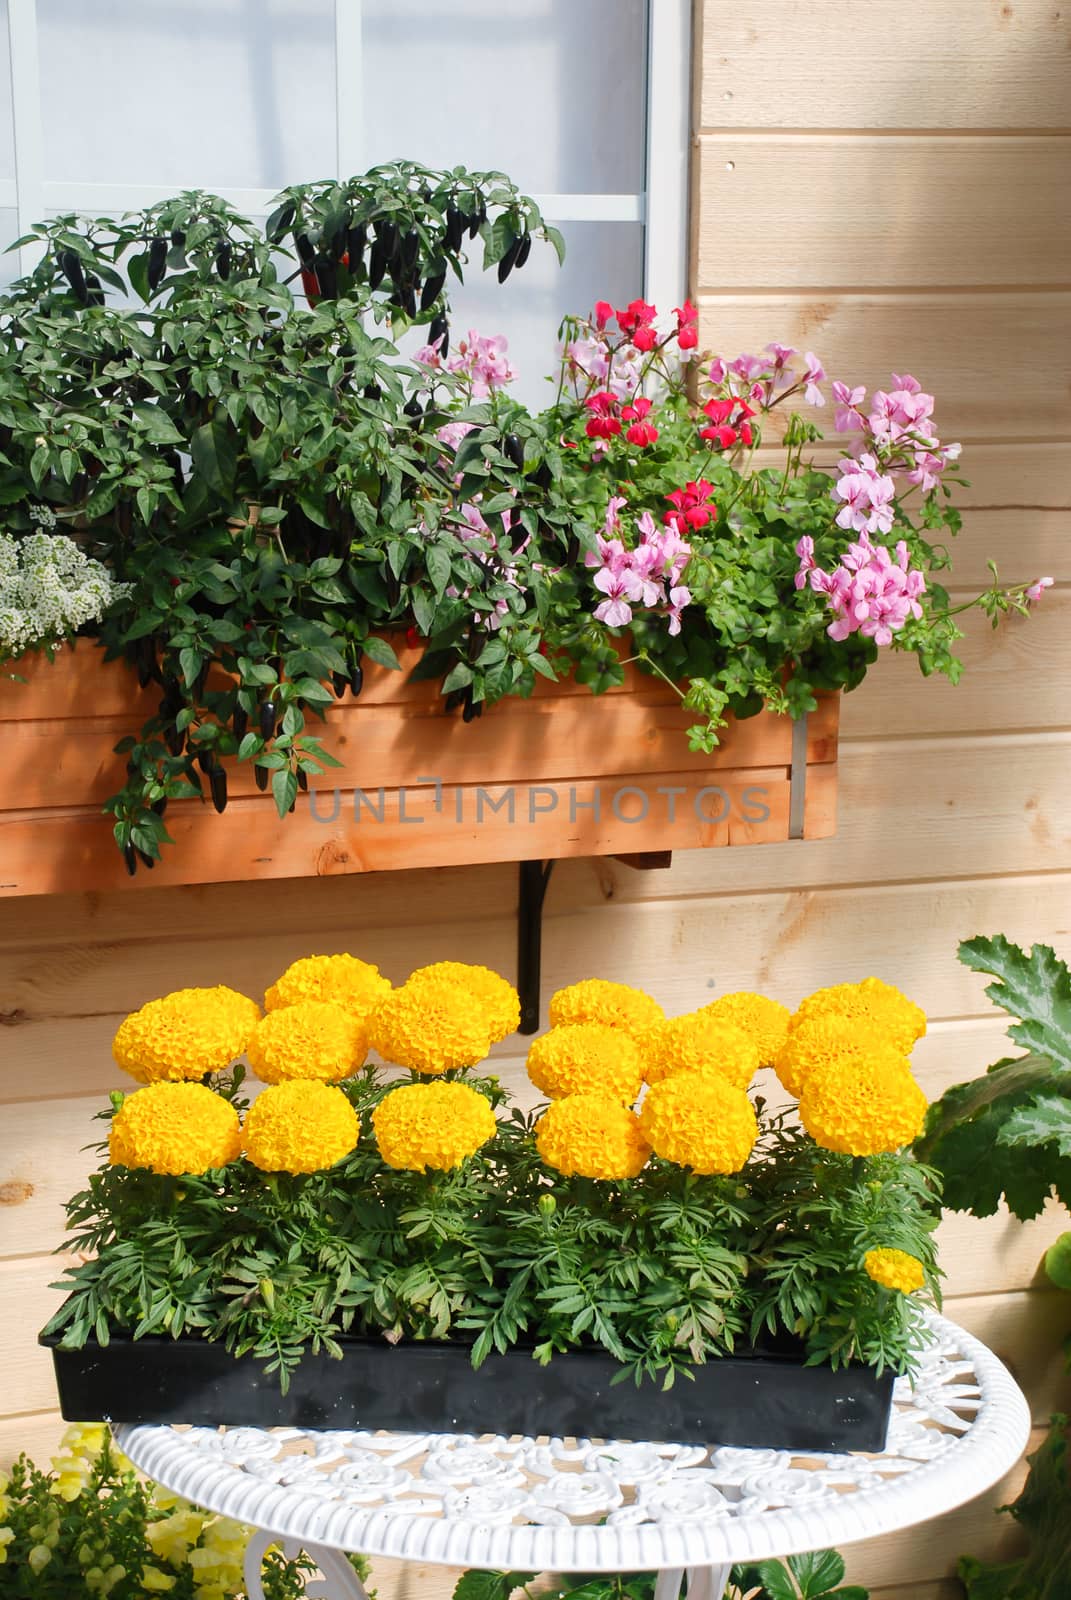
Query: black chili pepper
[130, 856]
[413, 408]
[513, 449]
[71, 268]
[336, 246]
[509, 261]
[239, 722]
[146, 859]
[356, 679]
[393, 587]
[267, 718]
[302, 781]
[159, 806]
[387, 236]
[409, 303]
[217, 781]
[439, 334]
[377, 265]
[175, 739]
[372, 391]
[454, 699]
[356, 239]
[327, 275]
[157, 262]
[339, 683]
[260, 776]
[178, 238]
[95, 290]
[223, 259]
[542, 477]
[303, 245]
[433, 285]
[473, 707]
[206, 761]
[525, 251]
[410, 247]
[455, 226]
[472, 221]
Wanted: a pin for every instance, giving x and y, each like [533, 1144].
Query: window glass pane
[7, 136]
[188, 93]
[551, 92]
[604, 261]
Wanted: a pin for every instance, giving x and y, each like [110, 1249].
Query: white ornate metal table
[584, 1505]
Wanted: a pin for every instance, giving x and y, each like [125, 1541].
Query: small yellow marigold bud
[356, 985]
[186, 1034]
[309, 1039]
[764, 1021]
[299, 1127]
[615, 1005]
[501, 1002]
[591, 1136]
[174, 1128]
[701, 1121]
[698, 1042]
[586, 1058]
[437, 1125]
[895, 1269]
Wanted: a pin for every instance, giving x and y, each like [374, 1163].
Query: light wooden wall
[894, 203]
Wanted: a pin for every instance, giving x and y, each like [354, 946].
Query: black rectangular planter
[427, 1387]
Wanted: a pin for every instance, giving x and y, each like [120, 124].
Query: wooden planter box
[567, 773]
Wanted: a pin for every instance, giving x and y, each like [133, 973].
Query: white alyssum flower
[49, 588]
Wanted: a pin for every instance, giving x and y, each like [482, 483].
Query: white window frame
[662, 207]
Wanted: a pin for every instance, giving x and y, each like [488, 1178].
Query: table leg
[704, 1583]
[338, 1582]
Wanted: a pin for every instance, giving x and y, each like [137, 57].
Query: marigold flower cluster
[586, 1058]
[899, 1020]
[764, 1021]
[701, 1121]
[174, 1128]
[188, 1034]
[500, 999]
[894, 1269]
[434, 1025]
[699, 1042]
[358, 986]
[309, 1039]
[592, 1135]
[864, 1105]
[301, 1126]
[616, 1005]
[438, 1125]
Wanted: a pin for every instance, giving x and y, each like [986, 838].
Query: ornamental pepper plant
[657, 1205]
[236, 423]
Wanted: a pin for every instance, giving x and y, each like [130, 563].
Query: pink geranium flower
[622, 590]
[1036, 589]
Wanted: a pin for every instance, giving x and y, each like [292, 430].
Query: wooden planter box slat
[546, 759]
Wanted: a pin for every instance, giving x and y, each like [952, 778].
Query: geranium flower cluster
[648, 575]
[871, 592]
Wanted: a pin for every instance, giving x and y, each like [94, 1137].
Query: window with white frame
[109, 105]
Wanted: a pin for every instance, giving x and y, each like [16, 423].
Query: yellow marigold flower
[698, 1042]
[299, 1127]
[431, 1026]
[701, 1121]
[174, 1128]
[894, 1269]
[309, 1039]
[900, 1021]
[186, 1034]
[863, 1105]
[764, 1021]
[615, 1005]
[591, 1136]
[500, 998]
[438, 1125]
[586, 1058]
[822, 1038]
[357, 985]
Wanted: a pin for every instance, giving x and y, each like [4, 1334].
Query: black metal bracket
[531, 892]
[533, 877]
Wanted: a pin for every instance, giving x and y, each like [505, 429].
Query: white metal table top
[590, 1506]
